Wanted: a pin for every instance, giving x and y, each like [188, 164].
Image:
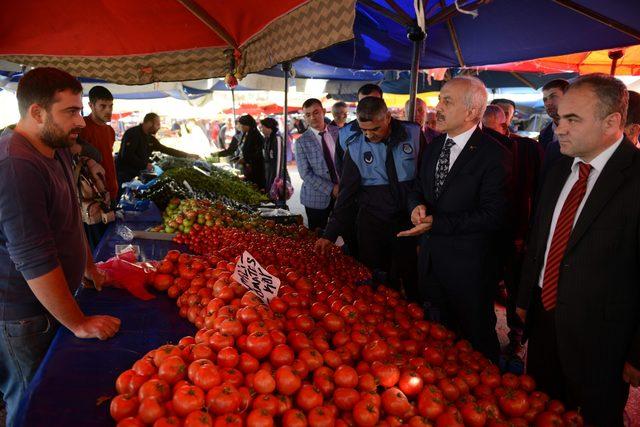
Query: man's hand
[522, 314]
[631, 375]
[418, 229]
[334, 192]
[419, 215]
[101, 327]
[323, 246]
[97, 276]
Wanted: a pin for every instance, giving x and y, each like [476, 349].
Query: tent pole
[416, 35]
[614, 56]
[233, 105]
[286, 68]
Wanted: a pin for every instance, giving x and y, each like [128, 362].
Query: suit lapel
[468, 152]
[605, 188]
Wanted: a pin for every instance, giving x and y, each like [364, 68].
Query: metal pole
[416, 35]
[615, 55]
[286, 69]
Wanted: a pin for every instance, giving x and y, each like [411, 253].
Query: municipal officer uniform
[376, 178]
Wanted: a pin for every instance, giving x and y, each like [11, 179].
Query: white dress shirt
[329, 139]
[460, 142]
[597, 164]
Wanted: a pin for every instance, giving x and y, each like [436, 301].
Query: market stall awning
[598, 61]
[168, 40]
[466, 33]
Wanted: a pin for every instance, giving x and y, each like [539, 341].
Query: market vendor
[137, 145]
[43, 250]
[380, 167]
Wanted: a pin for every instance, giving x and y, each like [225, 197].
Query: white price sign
[250, 274]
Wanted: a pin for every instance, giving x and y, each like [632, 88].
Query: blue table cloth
[75, 373]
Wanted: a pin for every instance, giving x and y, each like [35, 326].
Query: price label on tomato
[250, 274]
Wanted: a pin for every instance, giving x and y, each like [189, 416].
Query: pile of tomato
[325, 352]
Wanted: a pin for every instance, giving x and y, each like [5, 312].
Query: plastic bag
[122, 271]
[276, 189]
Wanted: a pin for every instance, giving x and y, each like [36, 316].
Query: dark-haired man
[579, 291]
[43, 253]
[101, 135]
[137, 145]
[315, 154]
[632, 127]
[380, 166]
[339, 113]
[509, 108]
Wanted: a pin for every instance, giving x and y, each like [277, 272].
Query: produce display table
[76, 373]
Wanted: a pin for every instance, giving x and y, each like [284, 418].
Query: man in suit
[552, 93]
[380, 167]
[315, 153]
[421, 119]
[509, 109]
[459, 207]
[579, 291]
[632, 127]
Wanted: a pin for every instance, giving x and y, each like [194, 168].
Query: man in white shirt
[459, 208]
[580, 292]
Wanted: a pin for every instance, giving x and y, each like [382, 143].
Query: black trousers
[601, 404]
[392, 259]
[94, 233]
[317, 218]
[464, 306]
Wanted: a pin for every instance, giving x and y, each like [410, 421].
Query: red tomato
[223, 399]
[394, 402]
[187, 399]
[365, 414]
[123, 406]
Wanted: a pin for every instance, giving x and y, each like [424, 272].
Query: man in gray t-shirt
[43, 252]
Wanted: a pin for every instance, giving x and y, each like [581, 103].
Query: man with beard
[43, 252]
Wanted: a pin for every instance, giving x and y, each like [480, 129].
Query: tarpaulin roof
[137, 42]
[503, 31]
[598, 61]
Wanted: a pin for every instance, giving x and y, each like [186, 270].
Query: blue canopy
[503, 31]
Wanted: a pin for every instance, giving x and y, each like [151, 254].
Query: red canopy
[141, 41]
[279, 109]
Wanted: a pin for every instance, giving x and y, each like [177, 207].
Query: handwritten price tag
[250, 274]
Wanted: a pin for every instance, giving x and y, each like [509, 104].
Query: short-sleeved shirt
[40, 225]
[102, 136]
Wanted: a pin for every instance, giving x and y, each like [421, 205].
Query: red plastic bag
[122, 271]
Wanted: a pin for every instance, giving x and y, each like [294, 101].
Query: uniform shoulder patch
[407, 148]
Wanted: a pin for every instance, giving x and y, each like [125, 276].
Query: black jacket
[598, 307]
[469, 214]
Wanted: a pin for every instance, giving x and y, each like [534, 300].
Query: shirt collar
[317, 132]
[462, 139]
[600, 161]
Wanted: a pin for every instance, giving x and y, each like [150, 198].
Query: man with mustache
[43, 251]
[459, 208]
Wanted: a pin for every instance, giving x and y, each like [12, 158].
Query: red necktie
[561, 237]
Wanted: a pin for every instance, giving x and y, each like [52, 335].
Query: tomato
[308, 397]
[573, 419]
[228, 420]
[555, 406]
[223, 399]
[129, 382]
[394, 402]
[172, 369]
[259, 344]
[130, 422]
[187, 399]
[123, 406]
[549, 419]
[150, 410]
[167, 422]
[206, 376]
[510, 380]
[345, 398]
[431, 402]
[514, 403]
[376, 350]
[527, 383]
[263, 382]
[266, 401]
[281, 355]
[345, 376]
[294, 418]
[365, 414]
[450, 419]
[165, 351]
[155, 388]
[228, 357]
[260, 418]
[386, 375]
[321, 416]
[473, 415]
[287, 382]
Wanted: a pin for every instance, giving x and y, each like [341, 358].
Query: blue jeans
[23, 344]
